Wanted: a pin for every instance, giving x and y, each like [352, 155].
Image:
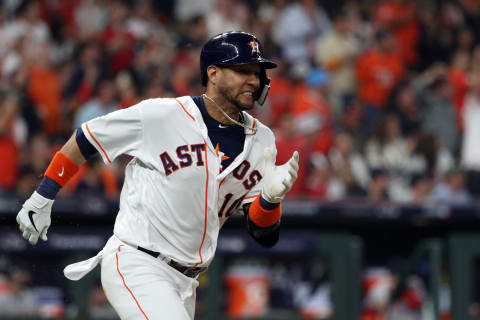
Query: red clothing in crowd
[308, 102]
[458, 79]
[45, 89]
[9, 154]
[377, 73]
[9, 163]
[373, 315]
[286, 145]
[120, 44]
[279, 97]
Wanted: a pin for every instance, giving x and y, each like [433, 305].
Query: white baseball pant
[141, 287]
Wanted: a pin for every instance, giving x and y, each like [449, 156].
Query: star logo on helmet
[255, 47]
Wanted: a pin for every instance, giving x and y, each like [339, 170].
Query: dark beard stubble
[227, 96]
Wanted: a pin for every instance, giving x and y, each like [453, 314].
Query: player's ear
[213, 73]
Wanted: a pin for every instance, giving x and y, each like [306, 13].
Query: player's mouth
[248, 95]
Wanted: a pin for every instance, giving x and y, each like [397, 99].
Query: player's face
[239, 85]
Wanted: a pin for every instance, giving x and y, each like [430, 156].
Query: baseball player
[196, 160]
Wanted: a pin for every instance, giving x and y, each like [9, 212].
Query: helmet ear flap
[264, 88]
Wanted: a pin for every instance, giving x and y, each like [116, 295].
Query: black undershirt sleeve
[86, 148]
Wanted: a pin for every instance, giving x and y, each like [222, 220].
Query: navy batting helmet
[234, 48]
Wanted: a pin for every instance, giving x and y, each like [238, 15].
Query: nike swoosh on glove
[278, 180]
[34, 218]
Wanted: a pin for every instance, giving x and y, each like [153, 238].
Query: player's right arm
[34, 217]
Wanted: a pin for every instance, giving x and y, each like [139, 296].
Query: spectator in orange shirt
[401, 17]
[310, 107]
[45, 89]
[377, 72]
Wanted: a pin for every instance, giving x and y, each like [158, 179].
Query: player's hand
[34, 218]
[278, 180]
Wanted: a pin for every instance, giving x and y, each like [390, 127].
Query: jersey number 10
[231, 209]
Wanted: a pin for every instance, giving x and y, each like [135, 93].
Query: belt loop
[165, 259]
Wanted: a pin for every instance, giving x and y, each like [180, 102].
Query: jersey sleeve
[119, 132]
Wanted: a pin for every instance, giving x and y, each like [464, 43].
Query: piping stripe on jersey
[125, 284]
[206, 207]
[250, 197]
[98, 143]
[178, 101]
[221, 182]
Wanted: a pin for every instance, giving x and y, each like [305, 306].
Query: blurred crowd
[22, 297]
[380, 98]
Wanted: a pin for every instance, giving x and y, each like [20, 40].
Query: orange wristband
[61, 169]
[263, 217]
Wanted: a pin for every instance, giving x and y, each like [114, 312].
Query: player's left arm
[265, 212]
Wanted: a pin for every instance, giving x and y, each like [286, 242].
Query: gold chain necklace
[252, 129]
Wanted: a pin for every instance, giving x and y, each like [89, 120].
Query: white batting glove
[278, 180]
[34, 218]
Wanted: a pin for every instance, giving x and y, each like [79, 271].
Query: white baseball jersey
[175, 197]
